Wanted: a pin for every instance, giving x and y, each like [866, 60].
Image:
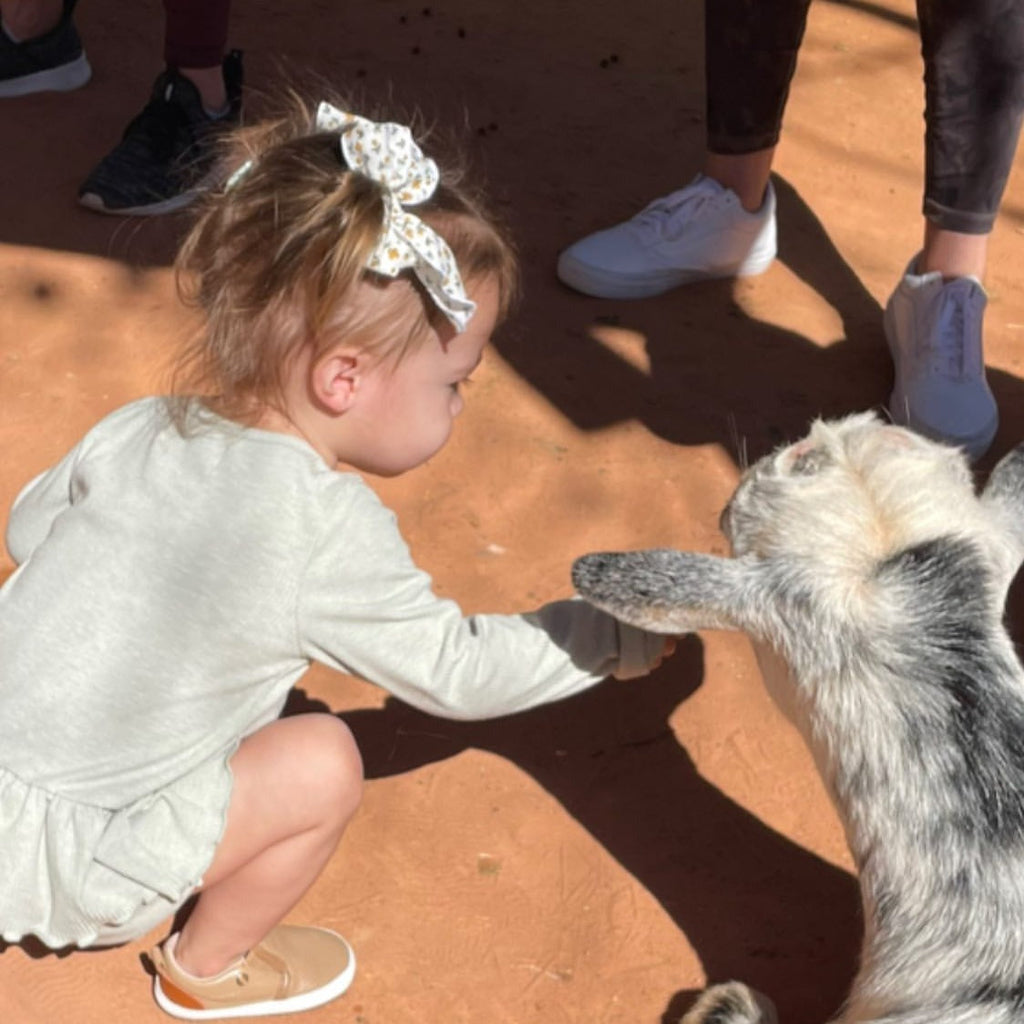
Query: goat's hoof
[731, 1003]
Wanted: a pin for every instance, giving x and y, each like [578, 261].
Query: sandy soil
[599, 860]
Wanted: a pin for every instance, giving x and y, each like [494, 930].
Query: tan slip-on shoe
[294, 968]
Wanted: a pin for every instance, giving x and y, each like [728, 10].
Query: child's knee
[334, 764]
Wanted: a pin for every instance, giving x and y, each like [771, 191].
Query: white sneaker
[694, 234]
[934, 333]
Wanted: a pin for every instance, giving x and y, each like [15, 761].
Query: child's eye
[455, 385]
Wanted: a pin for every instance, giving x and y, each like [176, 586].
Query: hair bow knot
[388, 154]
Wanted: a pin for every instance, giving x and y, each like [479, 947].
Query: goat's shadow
[753, 904]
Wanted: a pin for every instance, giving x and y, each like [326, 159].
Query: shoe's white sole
[294, 1004]
[93, 202]
[603, 284]
[63, 79]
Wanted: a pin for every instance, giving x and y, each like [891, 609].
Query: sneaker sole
[94, 202]
[294, 1004]
[61, 79]
[602, 284]
[974, 445]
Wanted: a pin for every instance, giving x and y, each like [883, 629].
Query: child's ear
[334, 380]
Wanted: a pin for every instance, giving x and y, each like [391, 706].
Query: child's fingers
[667, 651]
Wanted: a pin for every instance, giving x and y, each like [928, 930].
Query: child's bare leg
[297, 782]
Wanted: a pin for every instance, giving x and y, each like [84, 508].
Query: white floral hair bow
[388, 154]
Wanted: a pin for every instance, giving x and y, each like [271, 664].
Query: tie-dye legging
[974, 92]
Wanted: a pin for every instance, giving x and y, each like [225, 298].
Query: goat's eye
[724, 518]
[809, 462]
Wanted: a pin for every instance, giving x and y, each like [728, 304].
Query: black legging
[196, 32]
[974, 93]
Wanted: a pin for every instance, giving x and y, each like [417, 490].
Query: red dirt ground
[598, 860]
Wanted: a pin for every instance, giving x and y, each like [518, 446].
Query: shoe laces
[669, 215]
[954, 347]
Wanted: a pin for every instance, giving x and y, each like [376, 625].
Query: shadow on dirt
[717, 375]
[753, 904]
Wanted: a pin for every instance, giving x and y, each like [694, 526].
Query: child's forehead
[463, 350]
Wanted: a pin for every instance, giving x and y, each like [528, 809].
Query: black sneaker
[167, 151]
[52, 62]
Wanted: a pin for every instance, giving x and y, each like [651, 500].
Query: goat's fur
[864, 560]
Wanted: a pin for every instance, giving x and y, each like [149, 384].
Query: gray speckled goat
[872, 580]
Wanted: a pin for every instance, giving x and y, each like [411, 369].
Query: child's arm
[367, 608]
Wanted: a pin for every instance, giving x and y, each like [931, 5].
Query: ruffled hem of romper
[76, 873]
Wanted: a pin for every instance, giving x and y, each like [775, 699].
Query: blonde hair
[277, 259]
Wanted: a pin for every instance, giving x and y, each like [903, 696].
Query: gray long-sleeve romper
[171, 589]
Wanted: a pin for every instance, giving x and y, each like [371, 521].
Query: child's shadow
[753, 904]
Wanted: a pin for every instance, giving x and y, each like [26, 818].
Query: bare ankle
[747, 174]
[198, 963]
[952, 253]
[210, 83]
[29, 20]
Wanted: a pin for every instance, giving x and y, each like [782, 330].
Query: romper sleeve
[38, 505]
[366, 608]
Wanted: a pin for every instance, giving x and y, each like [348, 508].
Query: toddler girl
[182, 566]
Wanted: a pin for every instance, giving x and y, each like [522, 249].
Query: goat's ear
[666, 591]
[1004, 496]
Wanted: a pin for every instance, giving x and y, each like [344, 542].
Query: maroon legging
[196, 35]
[974, 93]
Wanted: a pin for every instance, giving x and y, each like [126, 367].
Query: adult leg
[952, 253]
[40, 49]
[974, 96]
[723, 223]
[27, 19]
[195, 41]
[168, 150]
[745, 111]
[746, 174]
